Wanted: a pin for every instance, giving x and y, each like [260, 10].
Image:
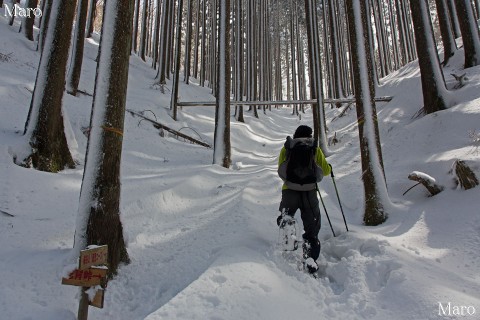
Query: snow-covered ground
[202, 238]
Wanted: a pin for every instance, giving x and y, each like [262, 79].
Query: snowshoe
[306, 247]
[311, 266]
[288, 233]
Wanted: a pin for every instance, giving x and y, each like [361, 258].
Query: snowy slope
[202, 239]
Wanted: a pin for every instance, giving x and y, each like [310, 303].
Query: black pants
[307, 202]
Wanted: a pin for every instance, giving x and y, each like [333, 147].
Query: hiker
[301, 165]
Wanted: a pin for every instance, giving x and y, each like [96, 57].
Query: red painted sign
[93, 257]
[86, 278]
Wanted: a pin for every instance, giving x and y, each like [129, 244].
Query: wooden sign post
[92, 271]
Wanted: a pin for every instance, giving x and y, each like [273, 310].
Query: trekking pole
[324, 208]
[338, 197]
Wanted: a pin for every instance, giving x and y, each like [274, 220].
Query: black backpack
[300, 171]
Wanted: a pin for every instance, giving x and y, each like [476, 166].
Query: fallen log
[277, 102]
[427, 181]
[158, 125]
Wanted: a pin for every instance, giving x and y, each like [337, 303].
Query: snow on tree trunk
[435, 94]
[92, 8]
[222, 150]
[469, 29]
[375, 188]
[477, 8]
[73, 78]
[98, 220]
[47, 8]
[44, 127]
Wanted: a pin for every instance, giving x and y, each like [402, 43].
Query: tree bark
[44, 127]
[336, 83]
[469, 29]
[188, 42]
[135, 26]
[44, 26]
[213, 48]
[78, 46]
[375, 189]
[293, 47]
[92, 9]
[477, 9]
[196, 40]
[433, 81]
[29, 21]
[454, 18]
[380, 38]
[315, 75]
[239, 69]
[178, 51]
[170, 41]
[161, 78]
[464, 175]
[156, 35]
[143, 35]
[203, 44]
[12, 18]
[393, 26]
[98, 221]
[448, 39]
[222, 148]
[402, 31]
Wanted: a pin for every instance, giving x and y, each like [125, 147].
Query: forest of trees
[323, 53]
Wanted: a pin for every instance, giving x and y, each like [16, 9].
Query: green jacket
[319, 159]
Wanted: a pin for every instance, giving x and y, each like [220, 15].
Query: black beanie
[303, 131]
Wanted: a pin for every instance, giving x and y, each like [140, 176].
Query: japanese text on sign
[93, 257]
[85, 278]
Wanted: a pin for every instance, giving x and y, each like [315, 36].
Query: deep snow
[202, 238]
